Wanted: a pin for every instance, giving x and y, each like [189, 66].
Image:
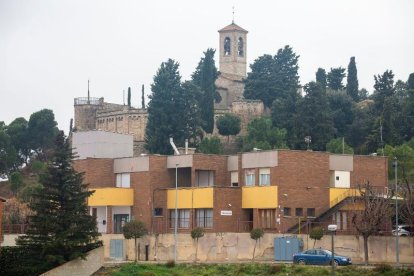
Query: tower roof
[233, 27]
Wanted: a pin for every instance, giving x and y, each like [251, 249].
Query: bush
[15, 260]
[382, 268]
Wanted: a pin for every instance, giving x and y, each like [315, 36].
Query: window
[158, 212]
[234, 179]
[240, 47]
[310, 212]
[123, 180]
[227, 46]
[183, 218]
[204, 178]
[267, 218]
[337, 178]
[287, 212]
[299, 212]
[264, 179]
[250, 177]
[204, 218]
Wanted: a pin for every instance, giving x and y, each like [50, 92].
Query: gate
[285, 247]
[116, 249]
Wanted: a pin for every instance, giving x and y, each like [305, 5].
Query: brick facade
[302, 179]
[1, 216]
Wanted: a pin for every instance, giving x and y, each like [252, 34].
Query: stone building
[95, 113]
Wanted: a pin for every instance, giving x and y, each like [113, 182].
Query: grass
[246, 269]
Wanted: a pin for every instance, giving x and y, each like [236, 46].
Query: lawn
[246, 269]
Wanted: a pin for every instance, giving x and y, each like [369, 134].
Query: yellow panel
[336, 195]
[191, 198]
[259, 197]
[111, 197]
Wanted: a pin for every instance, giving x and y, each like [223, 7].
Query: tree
[342, 111]
[129, 96]
[352, 85]
[210, 146]
[338, 145]
[16, 182]
[134, 229]
[20, 138]
[335, 78]
[255, 235]
[228, 124]
[197, 233]
[384, 88]
[375, 212]
[316, 234]
[205, 77]
[60, 228]
[273, 77]
[261, 134]
[8, 154]
[321, 77]
[315, 116]
[172, 111]
[142, 97]
[42, 130]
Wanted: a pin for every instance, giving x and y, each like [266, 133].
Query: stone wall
[94, 261]
[233, 247]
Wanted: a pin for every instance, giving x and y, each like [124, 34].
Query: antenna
[233, 16]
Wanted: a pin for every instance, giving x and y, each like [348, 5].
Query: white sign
[226, 213]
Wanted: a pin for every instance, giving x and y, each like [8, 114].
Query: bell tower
[233, 50]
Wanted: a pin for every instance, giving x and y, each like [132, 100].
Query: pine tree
[129, 96]
[321, 77]
[172, 111]
[352, 85]
[142, 97]
[205, 77]
[335, 78]
[61, 228]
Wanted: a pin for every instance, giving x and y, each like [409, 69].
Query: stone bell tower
[232, 60]
[233, 49]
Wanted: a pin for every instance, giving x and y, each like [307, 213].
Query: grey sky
[49, 49]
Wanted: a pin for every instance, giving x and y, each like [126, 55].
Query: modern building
[276, 190]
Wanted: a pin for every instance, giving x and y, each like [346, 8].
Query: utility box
[285, 247]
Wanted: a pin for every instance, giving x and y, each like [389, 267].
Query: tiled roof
[233, 27]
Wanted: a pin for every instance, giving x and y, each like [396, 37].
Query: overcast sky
[49, 49]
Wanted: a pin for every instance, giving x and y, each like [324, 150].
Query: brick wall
[1, 216]
[370, 168]
[99, 172]
[216, 163]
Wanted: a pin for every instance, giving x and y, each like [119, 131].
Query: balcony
[111, 197]
[259, 197]
[189, 198]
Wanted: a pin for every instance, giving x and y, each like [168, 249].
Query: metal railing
[86, 100]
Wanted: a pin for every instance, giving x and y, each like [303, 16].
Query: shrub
[382, 268]
[170, 264]
[316, 234]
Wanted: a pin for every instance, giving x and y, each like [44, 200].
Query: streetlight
[176, 213]
[397, 230]
[332, 228]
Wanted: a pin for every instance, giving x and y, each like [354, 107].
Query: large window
[250, 177]
[204, 178]
[183, 218]
[267, 218]
[204, 218]
[264, 177]
[123, 180]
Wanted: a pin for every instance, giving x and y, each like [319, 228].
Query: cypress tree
[61, 228]
[172, 110]
[321, 77]
[352, 85]
[205, 77]
[129, 96]
[142, 97]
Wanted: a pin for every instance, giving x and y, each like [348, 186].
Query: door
[119, 221]
[116, 249]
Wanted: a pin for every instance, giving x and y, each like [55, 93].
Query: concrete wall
[239, 247]
[93, 263]
[101, 144]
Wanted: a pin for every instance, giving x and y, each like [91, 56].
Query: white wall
[102, 144]
[340, 179]
[100, 217]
